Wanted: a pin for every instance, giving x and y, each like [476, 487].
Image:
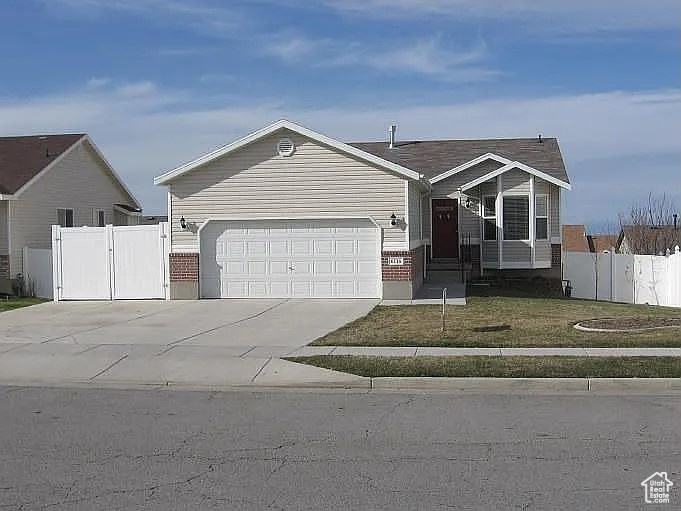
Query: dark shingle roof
[21, 158]
[433, 157]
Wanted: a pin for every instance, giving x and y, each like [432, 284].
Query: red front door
[445, 228]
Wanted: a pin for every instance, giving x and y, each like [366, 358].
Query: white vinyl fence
[655, 280]
[110, 263]
[38, 272]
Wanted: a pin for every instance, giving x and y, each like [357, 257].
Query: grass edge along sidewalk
[499, 367]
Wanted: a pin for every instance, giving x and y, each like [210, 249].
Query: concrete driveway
[203, 343]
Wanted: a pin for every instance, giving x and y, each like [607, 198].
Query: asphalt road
[165, 449]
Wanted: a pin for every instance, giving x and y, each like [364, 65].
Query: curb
[519, 386]
[527, 385]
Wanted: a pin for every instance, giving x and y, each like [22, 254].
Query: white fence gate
[655, 280]
[110, 263]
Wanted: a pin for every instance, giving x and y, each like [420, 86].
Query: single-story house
[55, 179]
[289, 212]
[648, 239]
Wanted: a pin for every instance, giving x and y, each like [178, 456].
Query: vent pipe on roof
[675, 217]
[391, 135]
[540, 139]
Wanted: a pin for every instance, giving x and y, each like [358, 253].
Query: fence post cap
[677, 249]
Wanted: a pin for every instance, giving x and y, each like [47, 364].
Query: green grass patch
[17, 303]
[500, 367]
[491, 321]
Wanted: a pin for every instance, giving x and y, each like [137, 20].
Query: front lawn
[501, 367]
[493, 321]
[16, 303]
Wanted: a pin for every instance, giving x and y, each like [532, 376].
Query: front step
[443, 264]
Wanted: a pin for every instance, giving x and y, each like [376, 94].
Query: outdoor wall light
[183, 223]
[393, 220]
[468, 203]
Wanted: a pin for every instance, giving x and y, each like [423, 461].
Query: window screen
[516, 218]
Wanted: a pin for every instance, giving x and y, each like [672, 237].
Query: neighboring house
[55, 179]
[602, 242]
[575, 239]
[648, 239]
[286, 211]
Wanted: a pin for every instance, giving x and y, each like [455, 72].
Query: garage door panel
[344, 248]
[323, 258]
[279, 268]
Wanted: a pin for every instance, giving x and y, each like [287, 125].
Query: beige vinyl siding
[448, 187]
[516, 181]
[542, 251]
[517, 252]
[554, 211]
[80, 181]
[425, 215]
[490, 252]
[553, 192]
[4, 239]
[469, 221]
[255, 182]
[415, 224]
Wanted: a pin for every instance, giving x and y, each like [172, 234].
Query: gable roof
[574, 238]
[435, 157]
[25, 159]
[22, 158]
[301, 130]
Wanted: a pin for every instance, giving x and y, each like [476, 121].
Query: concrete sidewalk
[417, 351]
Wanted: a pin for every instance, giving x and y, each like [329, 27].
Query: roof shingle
[22, 158]
[433, 157]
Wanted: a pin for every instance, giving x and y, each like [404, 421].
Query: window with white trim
[65, 217]
[516, 217]
[99, 217]
[489, 218]
[541, 213]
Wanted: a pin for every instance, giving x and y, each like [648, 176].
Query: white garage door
[334, 258]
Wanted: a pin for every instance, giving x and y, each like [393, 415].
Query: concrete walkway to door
[431, 291]
[204, 343]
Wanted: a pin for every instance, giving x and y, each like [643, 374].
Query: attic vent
[285, 147]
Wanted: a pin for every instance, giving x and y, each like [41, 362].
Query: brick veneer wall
[4, 266]
[184, 267]
[555, 256]
[412, 269]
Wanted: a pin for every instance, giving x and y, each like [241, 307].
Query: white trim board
[506, 166]
[469, 164]
[515, 165]
[285, 124]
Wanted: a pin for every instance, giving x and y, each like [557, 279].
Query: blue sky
[156, 82]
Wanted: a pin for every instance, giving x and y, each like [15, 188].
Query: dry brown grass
[502, 321]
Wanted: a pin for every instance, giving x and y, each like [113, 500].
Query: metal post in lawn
[444, 308]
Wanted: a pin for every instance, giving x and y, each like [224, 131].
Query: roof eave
[165, 178]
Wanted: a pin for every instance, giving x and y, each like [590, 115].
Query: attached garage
[282, 258]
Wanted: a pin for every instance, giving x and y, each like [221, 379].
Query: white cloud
[614, 143]
[428, 57]
[96, 83]
[142, 88]
[546, 15]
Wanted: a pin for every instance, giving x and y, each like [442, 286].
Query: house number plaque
[395, 261]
